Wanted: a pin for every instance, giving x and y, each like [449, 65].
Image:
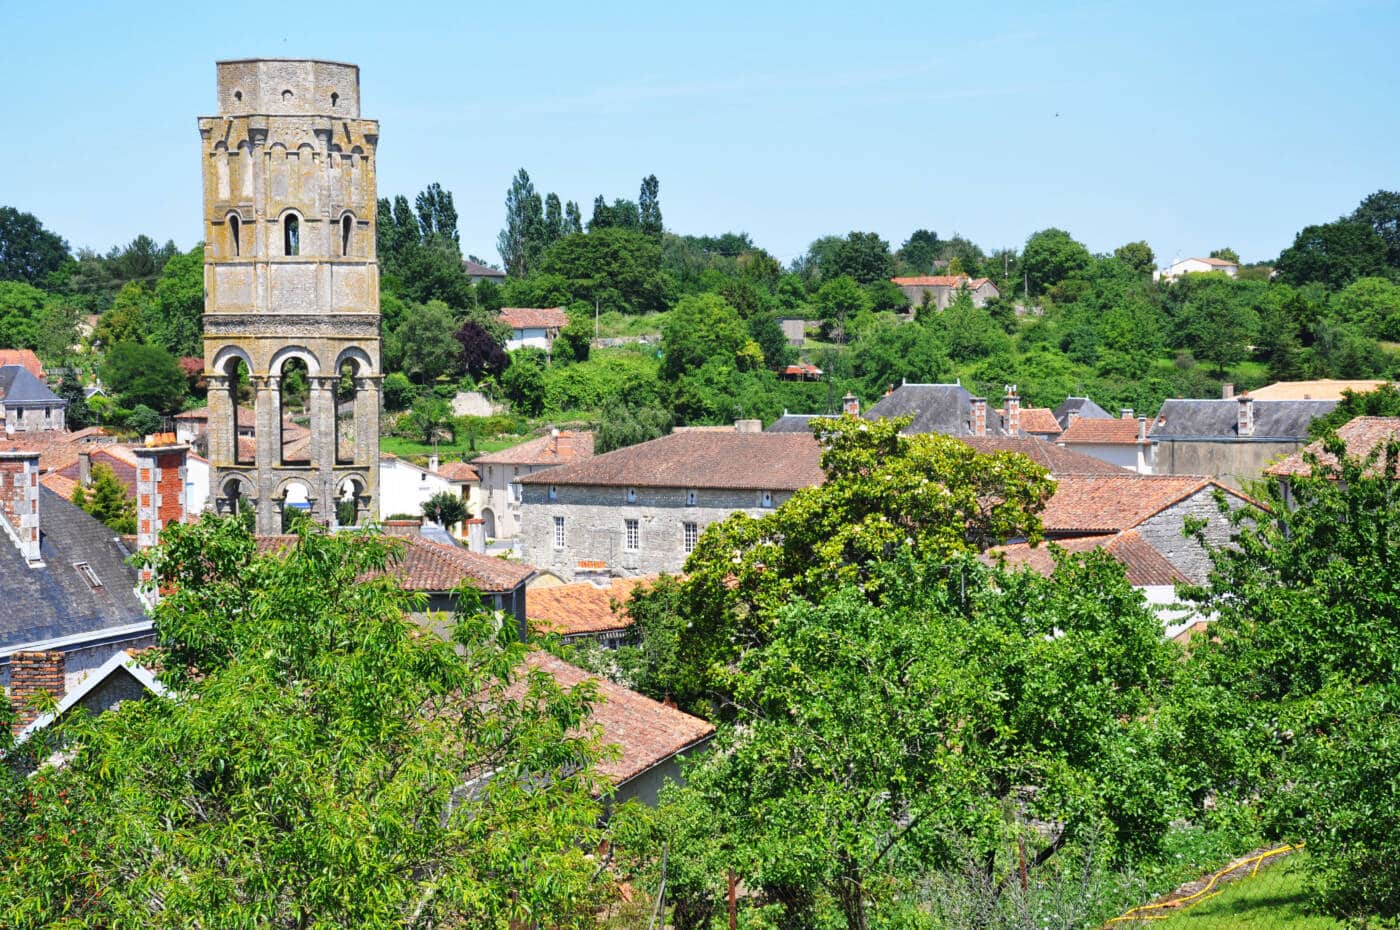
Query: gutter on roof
[655, 765]
[103, 637]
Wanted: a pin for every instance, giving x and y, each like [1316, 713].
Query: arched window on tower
[347, 225]
[291, 235]
[233, 233]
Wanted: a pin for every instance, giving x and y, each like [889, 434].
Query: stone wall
[594, 525]
[1232, 462]
[1164, 532]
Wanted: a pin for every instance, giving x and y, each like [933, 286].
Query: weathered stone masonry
[1164, 531]
[291, 273]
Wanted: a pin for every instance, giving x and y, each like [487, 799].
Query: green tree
[179, 304]
[1226, 254]
[445, 509]
[428, 419]
[889, 353]
[616, 269]
[970, 332]
[398, 391]
[1372, 305]
[523, 382]
[862, 256]
[437, 216]
[144, 374]
[77, 415]
[107, 500]
[143, 421]
[649, 207]
[1333, 254]
[519, 240]
[131, 317]
[313, 731]
[1137, 256]
[28, 252]
[839, 301]
[1052, 256]
[21, 314]
[1293, 696]
[1384, 401]
[426, 342]
[700, 328]
[1381, 211]
[918, 252]
[624, 425]
[1217, 322]
[575, 340]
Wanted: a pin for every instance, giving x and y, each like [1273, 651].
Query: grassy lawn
[613, 324]
[406, 448]
[1272, 900]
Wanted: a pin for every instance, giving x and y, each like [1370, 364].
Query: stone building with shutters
[291, 283]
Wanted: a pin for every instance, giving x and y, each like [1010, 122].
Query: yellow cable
[1191, 900]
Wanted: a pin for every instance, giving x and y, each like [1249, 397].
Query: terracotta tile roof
[25, 358]
[534, 317]
[1039, 420]
[758, 461]
[55, 449]
[60, 485]
[1361, 436]
[932, 280]
[1144, 564]
[551, 449]
[435, 567]
[646, 732]
[1122, 431]
[1084, 505]
[978, 282]
[117, 457]
[247, 419]
[1217, 262]
[582, 607]
[458, 471]
[1321, 389]
[1051, 457]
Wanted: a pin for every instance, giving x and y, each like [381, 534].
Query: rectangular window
[690, 497]
[692, 533]
[87, 574]
[559, 532]
[633, 540]
[766, 499]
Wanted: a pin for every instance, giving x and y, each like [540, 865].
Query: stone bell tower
[291, 292]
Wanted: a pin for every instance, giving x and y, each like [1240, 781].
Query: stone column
[223, 423]
[367, 438]
[323, 443]
[268, 413]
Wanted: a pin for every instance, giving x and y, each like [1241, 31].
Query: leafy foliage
[445, 508]
[106, 500]
[144, 374]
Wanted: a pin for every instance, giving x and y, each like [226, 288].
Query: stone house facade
[641, 510]
[499, 474]
[1233, 438]
[27, 405]
[940, 290]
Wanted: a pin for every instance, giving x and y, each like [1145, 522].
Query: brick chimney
[1011, 411]
[1246, 418]
[30, 673]
[1227, 391]
[476, 534]
[850, 404]
[19, 502]
[979, 416]
[160, 487]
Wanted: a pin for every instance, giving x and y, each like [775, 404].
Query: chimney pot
[748, 426]
[476, 535]
[1126, 413]
[1011, 411]
[1142, 429]
[1246, 415]
[433, 463]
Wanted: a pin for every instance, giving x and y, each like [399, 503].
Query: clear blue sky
[1192, 126]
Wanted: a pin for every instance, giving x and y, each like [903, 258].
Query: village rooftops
[935, 408]
[435, 567]
[646, 733]
[24, 358]
[1322, 389]
[1087, 505]
[1144, 565]
[1122, 431]
[720, 460]
[1082, 408]
[794, 423]
[941, 280]
[458, 471]
[556, 448]
[1361, 437]
[583, 607]
[1039, 420]
[478, 270]
[534, 317]
[1218, 420]
[19, 387]
[1049, 456]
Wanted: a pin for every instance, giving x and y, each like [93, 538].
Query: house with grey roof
[1075, 408]
[27, 405]
[479, 272]
[1233, 438]
[949, 409]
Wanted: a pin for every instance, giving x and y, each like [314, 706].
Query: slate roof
[1121, 431]
[1360, 435]
[583, 607]
[793, 423]
[1084, 505]
[646, 732]
[936, 408]
[1051, 457]
[437, 567]
[20, 388]
[1039, 420]
[1086, 408]
[551, 449]
[24, 358]
[730, 460]
[1144, 564]
[1274, 420]
[480, 270]
[54, 600]
[534, 317]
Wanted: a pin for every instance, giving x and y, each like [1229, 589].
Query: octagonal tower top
[288, 87]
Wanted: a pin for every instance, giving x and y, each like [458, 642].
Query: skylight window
[85, 572]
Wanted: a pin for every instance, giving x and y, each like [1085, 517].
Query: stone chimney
[1246, 418]
[30, 673]
[85, 468]
[979, 416]
[413, 526]
[1126, 413]
[433, 463]
[19, 502]
[850, 404]
[1011, 411]
[1142, 429]
[748, 426]
[594, 571]
[1227, 391]
[476, 534]
[160, 487]
[1070, 417]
